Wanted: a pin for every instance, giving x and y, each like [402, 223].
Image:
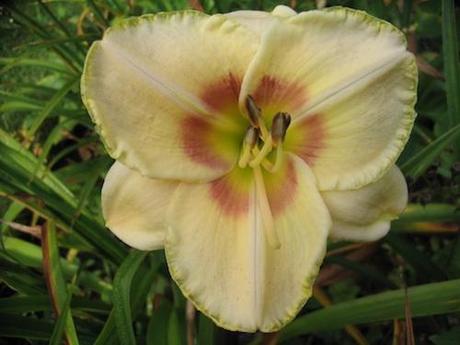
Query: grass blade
[121, 296]
[55, 282]
[142, 281]
[97, 13]
[417, 165]
[17, 169]
[428, 299]
[23, 304]
[52, 104]
[451, 61]
[206, 330]
[18, 62]
[61, 323]
[15, 326]
[157, 331]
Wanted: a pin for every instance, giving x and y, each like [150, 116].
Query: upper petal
[134, 207]
[163, 88]
[259, 21]
[350, 86]
[365, 214]
[220, 253]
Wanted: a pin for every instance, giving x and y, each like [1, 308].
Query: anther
[249, 142]
[254, 111]
[255, 117]
[251, 137]
[280, 124]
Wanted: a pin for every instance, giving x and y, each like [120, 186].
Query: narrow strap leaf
[416, 165]
[121, 296]
[451, 61]
[428, 299]
[56, 284]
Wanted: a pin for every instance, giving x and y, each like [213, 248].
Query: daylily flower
[243, 140]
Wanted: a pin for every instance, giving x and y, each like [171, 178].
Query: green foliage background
[65, 278]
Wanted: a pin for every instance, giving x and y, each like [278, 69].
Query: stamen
[265, 162]
[280, 124]
[249, 142]
[266, 148]
[254, 111]
[265, 211]
[255, 116]
[274, 138]
[278, 160]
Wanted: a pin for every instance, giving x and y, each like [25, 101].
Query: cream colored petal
[350, 86]
[219, 251]
[259, 21]
[365, 214]
[157, 84]
[134, 207]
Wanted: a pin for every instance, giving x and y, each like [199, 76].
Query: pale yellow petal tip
[283, 11]
[293, 311]
[290, 313]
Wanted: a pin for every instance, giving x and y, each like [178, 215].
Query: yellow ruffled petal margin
[219, 253]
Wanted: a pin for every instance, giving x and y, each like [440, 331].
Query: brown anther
[251, 137]
[254, 111]
[280, 124]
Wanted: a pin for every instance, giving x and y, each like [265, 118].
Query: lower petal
[219, 253]
[134, 207]
[365, 214]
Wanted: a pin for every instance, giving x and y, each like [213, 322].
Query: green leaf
[157, 331]
[57, 286]
[428, 299]
[97, 12]
[18, 174]
[175, 331]
[432, 212]
[121, 296]
[143, 282]
[206, 330]
[61, 323]
[417, 165]
[66, 54]
[50, 106]
[31, 255]
[23, 304]
[15, 326]
[451, 61]
[17, 62]
[19, 278]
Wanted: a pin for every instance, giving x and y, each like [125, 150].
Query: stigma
[259, 141]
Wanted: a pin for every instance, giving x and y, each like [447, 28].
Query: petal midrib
[339, 91]
[183, 99]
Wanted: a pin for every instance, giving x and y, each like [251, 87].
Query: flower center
[259, 142]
